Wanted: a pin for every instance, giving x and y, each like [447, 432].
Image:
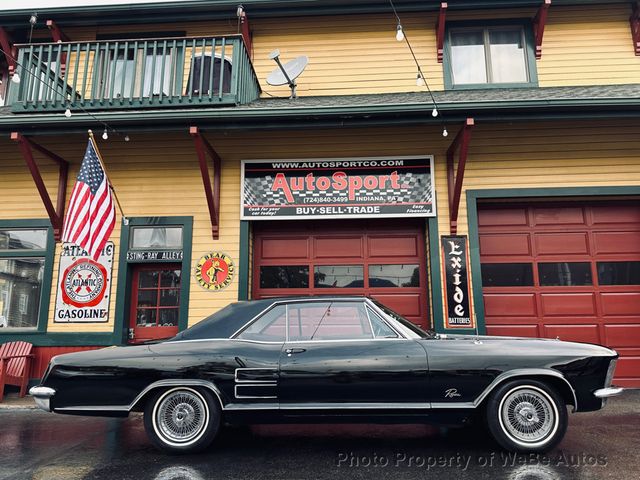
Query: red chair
[15, 365]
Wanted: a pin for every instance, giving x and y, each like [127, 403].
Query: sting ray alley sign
[84, 285]
[457, 291]
[338, 188]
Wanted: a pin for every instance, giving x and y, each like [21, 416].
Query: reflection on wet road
[37, 445]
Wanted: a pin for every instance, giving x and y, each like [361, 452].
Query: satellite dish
[286, 74]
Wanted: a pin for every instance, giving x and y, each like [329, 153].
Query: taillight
[610, 371]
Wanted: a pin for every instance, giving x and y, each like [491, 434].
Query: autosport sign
[84, 285]
[338, 188]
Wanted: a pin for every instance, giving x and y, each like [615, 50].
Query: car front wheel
[526, 416]
[182, 419]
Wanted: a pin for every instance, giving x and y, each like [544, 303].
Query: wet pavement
[39, 445]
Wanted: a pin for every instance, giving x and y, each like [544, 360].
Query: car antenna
[477, 340]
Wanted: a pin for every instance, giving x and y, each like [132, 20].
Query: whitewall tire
[526, 416]
[182, 419]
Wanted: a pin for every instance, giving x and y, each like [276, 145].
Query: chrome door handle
[291, 351]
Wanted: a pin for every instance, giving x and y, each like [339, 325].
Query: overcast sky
[28, 4]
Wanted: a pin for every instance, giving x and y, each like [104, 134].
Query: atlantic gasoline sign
[84, 285]
[338, 188]
[215, 271]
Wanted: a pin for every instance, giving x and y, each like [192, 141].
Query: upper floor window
[499, 56]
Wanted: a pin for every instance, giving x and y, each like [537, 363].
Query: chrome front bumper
[42, 396]
[608, 392]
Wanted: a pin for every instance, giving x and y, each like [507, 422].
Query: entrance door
[341, 352]
[155, 302]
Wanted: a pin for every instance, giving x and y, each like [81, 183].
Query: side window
[328, 321]
[380, 328]
[270, 327]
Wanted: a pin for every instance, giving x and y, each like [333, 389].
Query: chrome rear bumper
[608, 392]
[42, 396]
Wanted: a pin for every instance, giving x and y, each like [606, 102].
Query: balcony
[146, 73]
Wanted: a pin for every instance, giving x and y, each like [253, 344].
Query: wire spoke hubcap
[181, 416]
[527, 415]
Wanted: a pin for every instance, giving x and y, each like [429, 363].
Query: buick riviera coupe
[331, 359]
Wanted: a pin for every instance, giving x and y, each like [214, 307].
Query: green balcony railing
[143, 73]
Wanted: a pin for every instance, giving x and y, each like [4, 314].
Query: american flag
[91, 215]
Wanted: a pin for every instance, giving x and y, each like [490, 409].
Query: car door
[342, 352]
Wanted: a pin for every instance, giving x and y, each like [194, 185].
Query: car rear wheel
[182, 419]
[526, 416]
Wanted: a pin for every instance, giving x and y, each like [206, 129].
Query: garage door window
[394, 276]
[339, 276]
[565, 274]
[619, 273]
[507, 274]
[286, 276]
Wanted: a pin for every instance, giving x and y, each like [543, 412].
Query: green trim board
[521, 193]
[530, 54]
[124, 278]
[244, 262]
[47, 277]
[436, 275]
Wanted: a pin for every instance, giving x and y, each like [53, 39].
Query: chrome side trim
[608, 392]
[329, 406]
[519, 372]
[237, 394]
[94, 408]
[179, 383]
[239, 380]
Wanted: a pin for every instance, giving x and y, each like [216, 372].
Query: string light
[420, 79]
[15, 78]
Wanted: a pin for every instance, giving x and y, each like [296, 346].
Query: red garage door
[383, 260]
[568, 270]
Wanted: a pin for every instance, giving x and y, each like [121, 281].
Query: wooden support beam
[56, 33]
[539, 22]
[9, 50]
[59, 36]
[246, 32]
[455, 179]
[212, 193]
[440, 30]
[56, 215]
[634, 22]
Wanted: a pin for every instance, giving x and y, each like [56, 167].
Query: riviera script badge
[215, 271]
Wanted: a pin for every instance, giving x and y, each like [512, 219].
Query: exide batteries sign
[338, 188]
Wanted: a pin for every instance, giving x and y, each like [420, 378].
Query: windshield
[399, 318]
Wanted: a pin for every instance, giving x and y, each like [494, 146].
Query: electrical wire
[415, 59]
[62, 94]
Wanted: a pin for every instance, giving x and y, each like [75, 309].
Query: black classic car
[331, 359]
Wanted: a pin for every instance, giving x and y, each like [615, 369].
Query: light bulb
[240, 11]
[15, 78]
[105, 135]
[444, 132]
[126, 138]
[399, 33]
[33, 19]
[67, 112]
[434, 112]
[419, 80]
